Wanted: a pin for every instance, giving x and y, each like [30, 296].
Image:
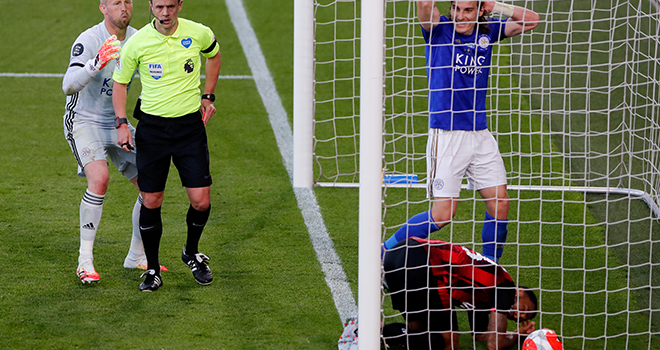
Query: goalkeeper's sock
[151, 230]
[196, 221]
[91, 209]
[493, 235]
[420, 225]
[136, 252]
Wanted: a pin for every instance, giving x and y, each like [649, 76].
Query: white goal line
[61, 75]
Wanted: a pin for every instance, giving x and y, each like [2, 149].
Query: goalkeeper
[427, 279]
[89, 127]
[458, 57]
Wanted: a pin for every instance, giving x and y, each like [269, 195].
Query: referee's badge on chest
[156, 70]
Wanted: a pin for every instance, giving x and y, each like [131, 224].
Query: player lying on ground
[428, 278]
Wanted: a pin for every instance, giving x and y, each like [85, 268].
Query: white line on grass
[323, 245]
[61, 75]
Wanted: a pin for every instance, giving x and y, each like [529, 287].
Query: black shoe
[152, 282]
[197, 263]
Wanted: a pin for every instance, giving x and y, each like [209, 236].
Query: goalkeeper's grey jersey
[92, 104]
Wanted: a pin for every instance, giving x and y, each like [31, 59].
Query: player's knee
[442, 214]
[152, 200]
[98, 184]
[201, 205]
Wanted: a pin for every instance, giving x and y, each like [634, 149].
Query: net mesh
[574, 106]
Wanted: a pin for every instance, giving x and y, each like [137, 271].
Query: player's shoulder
[192, 25]
[88, 41]
[130, 31]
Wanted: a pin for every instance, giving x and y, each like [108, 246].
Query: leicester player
[458, 56]
[90, 128]
[427, 279]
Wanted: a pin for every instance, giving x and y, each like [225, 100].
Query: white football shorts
[453, 154]
[90, 142]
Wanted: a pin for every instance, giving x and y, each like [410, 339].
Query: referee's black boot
[200, 269]
[152, 282]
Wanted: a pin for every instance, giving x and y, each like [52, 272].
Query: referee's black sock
[151, 230]
[196, 221]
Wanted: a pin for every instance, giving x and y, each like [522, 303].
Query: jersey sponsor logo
[189, 66]
[478, 257]
[156, 70]
[77, 50]
[466, 306]
[107, 88]
[438, 184]
[470, 65]
[186, 42]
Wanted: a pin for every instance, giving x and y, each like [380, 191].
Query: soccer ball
[542, 339]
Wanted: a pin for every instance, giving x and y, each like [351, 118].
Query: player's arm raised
[520, 19]
[79, 75]
[428, 14]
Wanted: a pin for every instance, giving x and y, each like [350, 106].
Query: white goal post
[575, 107]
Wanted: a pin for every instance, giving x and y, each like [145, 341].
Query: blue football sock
[493, 235]
[419, 225]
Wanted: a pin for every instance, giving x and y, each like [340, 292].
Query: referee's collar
[160, 35]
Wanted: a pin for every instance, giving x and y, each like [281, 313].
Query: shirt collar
[162, 37]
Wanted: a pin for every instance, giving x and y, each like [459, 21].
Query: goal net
[575, 107]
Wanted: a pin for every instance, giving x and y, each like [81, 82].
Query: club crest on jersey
[156, 70]
[186, 42]
[438, 184]
[85, 152]
[483, 42]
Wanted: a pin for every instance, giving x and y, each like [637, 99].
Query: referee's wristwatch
[210, 97]
[120, 121]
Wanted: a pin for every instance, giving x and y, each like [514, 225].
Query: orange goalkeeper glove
[108, 52]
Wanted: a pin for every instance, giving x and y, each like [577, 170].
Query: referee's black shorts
[414, 289]
[181, 140]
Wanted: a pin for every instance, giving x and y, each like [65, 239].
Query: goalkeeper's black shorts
[414, 289]
[160, 141]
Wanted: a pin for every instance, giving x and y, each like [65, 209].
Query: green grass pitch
[269, 291]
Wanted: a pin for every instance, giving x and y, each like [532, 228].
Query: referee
[172, 125]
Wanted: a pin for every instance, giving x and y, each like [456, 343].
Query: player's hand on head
[108, 52]
[488, 6]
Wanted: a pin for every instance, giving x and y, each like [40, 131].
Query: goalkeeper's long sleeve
[76, 78]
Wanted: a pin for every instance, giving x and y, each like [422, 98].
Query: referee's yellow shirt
[169, 66]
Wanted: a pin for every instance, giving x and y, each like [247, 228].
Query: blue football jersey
[458, 69]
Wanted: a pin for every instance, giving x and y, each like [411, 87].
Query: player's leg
[494, 230]
[445, 166]
[196, 219]
[191, 158]
[151, 231]
[91, 210]
[136, 257]
[414, 292]
[153, 163]
[489, 177]
[126, 163]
